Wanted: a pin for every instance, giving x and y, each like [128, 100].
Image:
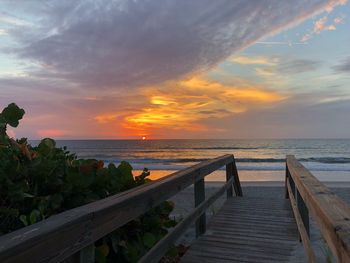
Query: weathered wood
[232, 238]
[304, 212]
[62, 235]
[285, 182]
[229, 175]
[237, 183]
[199, 197]
[331, 214]
[156, 253]
[304, 235]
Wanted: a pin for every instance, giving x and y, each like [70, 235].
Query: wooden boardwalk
[259, 225]
[248, 229]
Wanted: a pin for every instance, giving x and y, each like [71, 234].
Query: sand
[184, 203]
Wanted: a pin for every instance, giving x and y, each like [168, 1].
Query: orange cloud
[255, 60]
[182, 105]
[104, 118]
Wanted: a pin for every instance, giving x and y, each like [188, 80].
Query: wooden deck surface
[248, 229]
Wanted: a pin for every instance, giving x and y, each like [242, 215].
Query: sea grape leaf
[56, 200]
[34, 216]
[125, 169]
[170, 223]
[166, 207]
[172, 252]
[126, 177]
[46, 146]
[99, 257]
[11, 115]
[104, 249]
[149, 239]
[23, 219]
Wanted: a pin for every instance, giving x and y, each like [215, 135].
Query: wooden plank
[331, 214]
[301, 227]
[199, 197]
[156, 253]
[269, 235]
[62, 235]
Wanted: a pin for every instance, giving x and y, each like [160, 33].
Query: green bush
[37, 182]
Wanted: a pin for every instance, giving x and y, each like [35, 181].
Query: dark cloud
[130, 43]
[298, 117]
[298, 66]
[343, 66]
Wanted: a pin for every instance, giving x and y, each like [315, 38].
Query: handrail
[61, 236]
[331, 213]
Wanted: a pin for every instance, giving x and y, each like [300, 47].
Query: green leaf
[172, 252]
[26, 195]
[34, 216]
[56, 201]
[125, 168]
[12, 114]
[149, 240]
[99, 257]
[24, 220]
[46, 146]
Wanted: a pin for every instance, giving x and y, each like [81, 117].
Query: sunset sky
[176, 68]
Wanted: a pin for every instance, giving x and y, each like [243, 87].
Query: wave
[323, 160]
[326, 159]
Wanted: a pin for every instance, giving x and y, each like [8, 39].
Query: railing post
[286, 180]
[199, 197]
[292, 185]
[304, 212]
[229, 174]
[237, 182]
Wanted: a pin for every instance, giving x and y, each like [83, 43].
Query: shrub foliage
[39, 181]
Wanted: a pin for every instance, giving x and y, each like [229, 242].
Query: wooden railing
[331, 214]
[70, 236]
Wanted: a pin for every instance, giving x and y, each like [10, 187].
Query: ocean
[256, 160]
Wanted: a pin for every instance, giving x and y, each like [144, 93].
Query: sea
[257, 160]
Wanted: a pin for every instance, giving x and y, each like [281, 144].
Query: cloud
[3, 32]
[51, 133]
[297, 66]
[104, 118]
[131, 43]
[12, 20]
[286, 66]
[343, 66]
[288, 43]
[323, 25]
[193, 100]
[277, 64]
[253, 60]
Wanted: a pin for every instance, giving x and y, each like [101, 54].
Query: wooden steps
[248, 229]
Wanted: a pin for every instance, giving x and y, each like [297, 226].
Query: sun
[143, 138]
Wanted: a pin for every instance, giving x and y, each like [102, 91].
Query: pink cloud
[323, 25]
[51, 133]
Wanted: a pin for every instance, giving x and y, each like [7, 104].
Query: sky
[200, 69]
